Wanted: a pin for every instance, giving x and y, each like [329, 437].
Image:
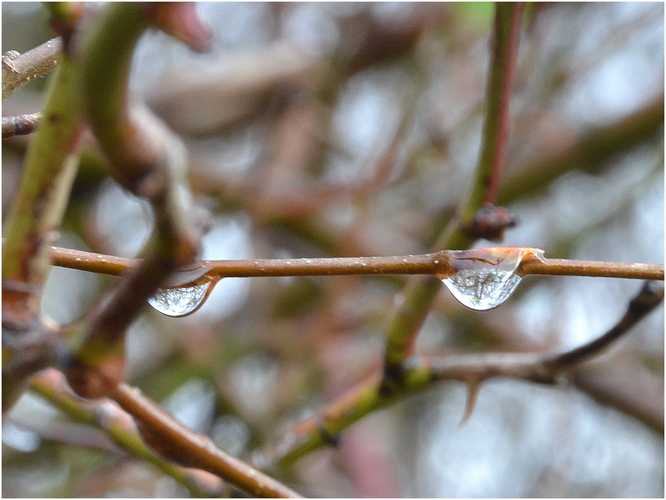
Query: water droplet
[185, 298]
[484, 278]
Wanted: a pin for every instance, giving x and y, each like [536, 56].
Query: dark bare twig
[650, 296]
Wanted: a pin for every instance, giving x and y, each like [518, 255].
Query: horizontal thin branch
[433, 263]
[20, 124]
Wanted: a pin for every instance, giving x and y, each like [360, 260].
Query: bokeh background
[345, 129]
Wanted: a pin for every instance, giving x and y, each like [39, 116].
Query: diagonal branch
[413, 304]
[19, 69]
[51, 385]
[175, 442]
[471, 369]
[504, 48]
[151, 162]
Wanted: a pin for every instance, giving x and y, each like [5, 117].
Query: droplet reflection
[486, 277]
[186, 297]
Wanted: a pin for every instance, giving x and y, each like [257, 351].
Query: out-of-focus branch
[35, 215]
[51, 385]
[472, 369]
[414, 303]
[19, 69]
[639, 394]
[588, 153]
[215, 96]
[151, 162]
[175, 442]
[504, 46]
[20, 125]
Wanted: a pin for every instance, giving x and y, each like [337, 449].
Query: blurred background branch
[340, 130]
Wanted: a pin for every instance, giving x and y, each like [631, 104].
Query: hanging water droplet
[179, 301]
[482, 289]
[185, 298]
[484, 278]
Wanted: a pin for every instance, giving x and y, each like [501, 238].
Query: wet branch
[432, 263]
[420, 372]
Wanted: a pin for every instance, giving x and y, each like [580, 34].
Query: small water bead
[177, 300]
[484, 278]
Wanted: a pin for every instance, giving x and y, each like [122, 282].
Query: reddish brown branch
[176, 443]
[504, 51]
[433, 263]
[150, 161]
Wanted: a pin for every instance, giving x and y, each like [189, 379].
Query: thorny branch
[472, 369]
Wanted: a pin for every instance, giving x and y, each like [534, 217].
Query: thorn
[472, 397]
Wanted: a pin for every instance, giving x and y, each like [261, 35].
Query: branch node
[330, 438]
[489, 223]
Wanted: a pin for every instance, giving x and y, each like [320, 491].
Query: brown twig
[433, 264]
[119, 427]
[175, 442]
